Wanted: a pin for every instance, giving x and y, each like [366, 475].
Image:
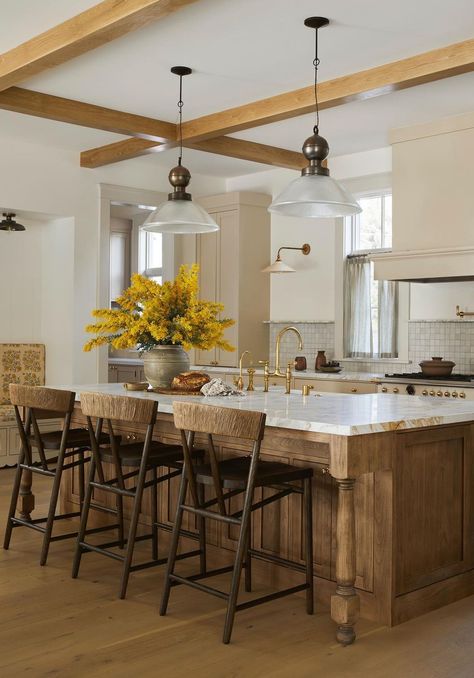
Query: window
[370, 306]
[152, 255]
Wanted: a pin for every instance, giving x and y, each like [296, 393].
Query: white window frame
[344, 239]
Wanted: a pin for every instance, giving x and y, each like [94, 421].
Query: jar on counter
[320, 360]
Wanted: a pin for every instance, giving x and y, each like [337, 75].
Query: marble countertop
[333, 413]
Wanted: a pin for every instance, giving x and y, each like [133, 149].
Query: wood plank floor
[51, 625]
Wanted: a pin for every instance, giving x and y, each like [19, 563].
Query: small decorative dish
[330, 368]
[137, 386]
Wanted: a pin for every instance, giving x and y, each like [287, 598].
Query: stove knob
[439, 394]
[425, 392]
[384, 389]
[432, 393]
[454, 394]
[395, 390]
[447, 394]
[410, 389]
[462, 394]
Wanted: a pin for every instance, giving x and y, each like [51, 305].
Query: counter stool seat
[76, 437]
[234, 473]
[131, 454]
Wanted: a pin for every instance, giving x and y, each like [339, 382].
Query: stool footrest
[161, 561]
[198, 586]
[271, 596]
[211, 514]
[277, 560]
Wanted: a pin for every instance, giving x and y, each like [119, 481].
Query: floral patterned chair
[19, 364]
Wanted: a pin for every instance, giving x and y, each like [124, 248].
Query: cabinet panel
[207, 255]
[434, 480]
[227, 283]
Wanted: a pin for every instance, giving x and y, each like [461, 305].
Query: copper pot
[437, 367]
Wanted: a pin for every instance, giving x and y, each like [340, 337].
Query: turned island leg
[26, 498]
[345, 603]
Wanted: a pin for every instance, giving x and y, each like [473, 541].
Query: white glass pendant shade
[278, 266]
[180, 216]
[315, 195]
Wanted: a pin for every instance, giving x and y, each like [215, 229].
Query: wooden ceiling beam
[88, 30]
[232, 148]
[427, 67]
[51, 107]
[423, 68]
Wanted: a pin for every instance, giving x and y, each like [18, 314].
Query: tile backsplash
[453, 340]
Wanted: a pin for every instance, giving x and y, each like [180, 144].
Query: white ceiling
[242, 51]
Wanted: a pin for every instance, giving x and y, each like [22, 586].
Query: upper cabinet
[231, 261]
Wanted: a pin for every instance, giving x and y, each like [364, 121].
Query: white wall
[20, 283]
[49, 180]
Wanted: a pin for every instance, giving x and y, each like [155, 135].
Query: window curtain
[358, 337]
[388, 319]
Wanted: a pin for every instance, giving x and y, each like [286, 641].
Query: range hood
[425, 266]
[433, 203]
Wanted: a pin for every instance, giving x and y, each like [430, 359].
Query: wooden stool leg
[202, 533]
[132, 530]
[13, 501]
[174, 543]
[308, 518]
[154, 515]
[52, 508]
[82, 482]
[248, 559]
[119, 506]
[238, 564]
[84, 516]
[26, 498]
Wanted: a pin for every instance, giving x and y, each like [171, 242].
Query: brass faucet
[278, 372]
[287, 375]
[240, 381]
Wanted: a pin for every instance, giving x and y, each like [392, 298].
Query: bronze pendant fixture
[8, 223]
[315, 193]
[179, 214]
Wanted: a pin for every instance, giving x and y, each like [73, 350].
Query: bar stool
[54, 449]
[141, 457]
[228, 478]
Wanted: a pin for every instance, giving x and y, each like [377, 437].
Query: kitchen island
[393, 509]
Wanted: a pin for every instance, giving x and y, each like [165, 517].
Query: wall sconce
[279, 266]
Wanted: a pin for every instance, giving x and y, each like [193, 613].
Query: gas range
[418, 384]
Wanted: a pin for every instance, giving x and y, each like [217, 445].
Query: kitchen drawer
[333, 386]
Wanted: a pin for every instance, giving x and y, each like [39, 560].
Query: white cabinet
[119, 373]
[231, 261]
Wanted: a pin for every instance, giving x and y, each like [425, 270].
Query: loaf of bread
[190, 381]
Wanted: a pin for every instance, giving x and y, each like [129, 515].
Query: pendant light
[8, 223]
[315, 193]
[179, 214]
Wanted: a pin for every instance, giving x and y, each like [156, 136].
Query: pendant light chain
[316, 62]
[180, 109]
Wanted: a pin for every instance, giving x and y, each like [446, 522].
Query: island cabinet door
[433, 508]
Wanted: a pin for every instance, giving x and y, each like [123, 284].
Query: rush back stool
[228, 478]
[58, 451]
[141, 458]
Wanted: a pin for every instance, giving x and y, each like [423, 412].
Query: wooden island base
[393, 517]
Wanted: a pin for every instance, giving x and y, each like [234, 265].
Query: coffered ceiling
[242, 51]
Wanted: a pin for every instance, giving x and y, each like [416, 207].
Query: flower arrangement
[150, 314]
